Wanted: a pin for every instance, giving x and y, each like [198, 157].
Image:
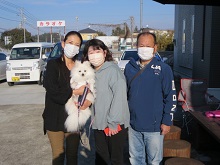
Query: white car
[3, 63]
[26, 62]
[126, 56]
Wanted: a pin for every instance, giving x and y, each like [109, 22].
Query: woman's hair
[61, 59]
[97, 45]
[73, 33]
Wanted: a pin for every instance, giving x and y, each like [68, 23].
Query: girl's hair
[97, 45]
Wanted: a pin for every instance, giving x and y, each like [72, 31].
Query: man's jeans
[145, 145]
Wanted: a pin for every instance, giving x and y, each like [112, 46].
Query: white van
[27, 61]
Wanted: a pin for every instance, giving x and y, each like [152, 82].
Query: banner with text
[50, 23]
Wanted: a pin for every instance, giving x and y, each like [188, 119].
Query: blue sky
[155, 15]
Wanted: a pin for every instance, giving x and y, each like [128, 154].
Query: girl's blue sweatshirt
[151, 95]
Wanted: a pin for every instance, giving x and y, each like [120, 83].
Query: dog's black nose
[83, 74]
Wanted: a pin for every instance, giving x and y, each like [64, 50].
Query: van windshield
[25, 53]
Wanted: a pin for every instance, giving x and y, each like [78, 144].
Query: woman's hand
[79, 91]
[85, 105]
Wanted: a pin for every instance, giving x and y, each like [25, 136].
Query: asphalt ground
[22, 141]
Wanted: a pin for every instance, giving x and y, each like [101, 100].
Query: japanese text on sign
[50, 23]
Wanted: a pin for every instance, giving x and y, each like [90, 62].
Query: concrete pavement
[22, 140]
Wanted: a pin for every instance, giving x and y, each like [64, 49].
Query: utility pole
[77, 18]
[23, 23]
[132, 30]
[141, 15]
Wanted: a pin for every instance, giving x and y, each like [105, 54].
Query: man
[152, 101]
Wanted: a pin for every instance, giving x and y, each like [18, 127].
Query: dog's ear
[77, 62]
[87, 63]
[71, 80]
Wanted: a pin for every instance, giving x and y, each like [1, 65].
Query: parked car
[126, 56]
[3, 63]
[132, 53]
[26, 62]
[57, 52]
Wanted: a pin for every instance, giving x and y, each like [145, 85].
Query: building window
[192, 34]
[184, 37]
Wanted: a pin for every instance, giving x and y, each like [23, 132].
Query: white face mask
[71, 50]
[145, 53]
[96, 59]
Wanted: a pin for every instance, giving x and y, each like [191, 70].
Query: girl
[110, 110]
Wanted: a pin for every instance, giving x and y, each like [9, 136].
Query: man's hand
[164, 129]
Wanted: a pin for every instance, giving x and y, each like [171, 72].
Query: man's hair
[147, 33]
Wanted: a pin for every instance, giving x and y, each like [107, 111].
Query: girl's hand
[85, 105]
[112, 132]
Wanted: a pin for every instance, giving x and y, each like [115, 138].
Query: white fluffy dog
[81, 74]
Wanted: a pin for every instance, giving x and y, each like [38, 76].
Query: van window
[57, 51]
[25, 53]
[46, 50]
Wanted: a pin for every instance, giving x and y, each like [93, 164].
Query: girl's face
[96, 56]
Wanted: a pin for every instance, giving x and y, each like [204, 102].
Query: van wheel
[10, 83]
[40, 82]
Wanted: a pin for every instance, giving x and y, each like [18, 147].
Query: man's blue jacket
[151, 95]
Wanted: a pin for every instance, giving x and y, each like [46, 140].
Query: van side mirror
[44, 56]
[7, 58]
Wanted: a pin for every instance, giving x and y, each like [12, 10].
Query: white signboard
[50, 23]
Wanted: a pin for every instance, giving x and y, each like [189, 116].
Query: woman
[110, 110]
[58, 91]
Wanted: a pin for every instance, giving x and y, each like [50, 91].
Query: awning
[190, 2]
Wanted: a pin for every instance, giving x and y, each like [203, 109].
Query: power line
[25, 15]
[8, 10]
[9, 4]
[9, 19]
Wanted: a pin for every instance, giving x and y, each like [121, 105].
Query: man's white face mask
[145, 53]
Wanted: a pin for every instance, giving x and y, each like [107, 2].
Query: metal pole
[51, 36]
[23, 23]
[24, 32]
[38, 36]
[60, 35]
[132, 21]
[141, 14]
[77, 18]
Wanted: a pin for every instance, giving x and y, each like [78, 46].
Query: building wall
[214, 74]
[201, 57]
[183, 60]
[202, 47]
[88, 36]
[207, 50]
